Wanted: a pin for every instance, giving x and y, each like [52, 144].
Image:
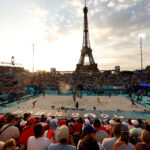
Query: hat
[49, 119]
[23, 123]
[135, 122]
[3, 118]
[63, 132]
[32, 120]
[112, 122]
[62, 122]
[89, 129]
[134, 131]
[53, 124]
[87, 121]
[125, 125]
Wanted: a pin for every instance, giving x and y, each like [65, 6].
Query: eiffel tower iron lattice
[86, 50]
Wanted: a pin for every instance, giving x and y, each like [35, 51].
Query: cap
[23, 123]
[125, 126]
[32, 120]
[3, 118]
[112, 122]
[63, 132]
[53, 124]
[49, 119]
[134, 131]
[62, 122]
[87, 121]
[89, 129]
[135, 122]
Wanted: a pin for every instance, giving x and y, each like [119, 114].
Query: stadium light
[141, 36]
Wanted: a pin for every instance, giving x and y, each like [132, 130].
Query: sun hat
[63, 132]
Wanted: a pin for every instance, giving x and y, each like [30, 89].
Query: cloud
[111, 4]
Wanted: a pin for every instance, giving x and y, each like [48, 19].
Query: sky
[55, 27]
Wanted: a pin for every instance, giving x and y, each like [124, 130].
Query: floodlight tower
[141, 36]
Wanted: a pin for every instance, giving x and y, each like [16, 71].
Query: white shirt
[108, 143]
[40, 143]
[11, 132]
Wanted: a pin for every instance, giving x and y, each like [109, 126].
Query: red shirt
[103, 128]
[26, 133]
[77, 127]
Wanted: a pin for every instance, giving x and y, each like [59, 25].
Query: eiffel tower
[86, 50]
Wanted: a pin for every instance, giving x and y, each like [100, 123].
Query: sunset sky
[56, 29]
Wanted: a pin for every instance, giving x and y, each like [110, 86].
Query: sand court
[86, 102]
[106, 107]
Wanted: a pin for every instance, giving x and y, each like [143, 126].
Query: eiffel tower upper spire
[86, 41]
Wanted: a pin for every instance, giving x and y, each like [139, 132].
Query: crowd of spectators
[50, 133]
[13, 79]
[16, 79]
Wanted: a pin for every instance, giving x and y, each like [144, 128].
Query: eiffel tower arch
[86, 50]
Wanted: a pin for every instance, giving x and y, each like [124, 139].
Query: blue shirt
[61, 147]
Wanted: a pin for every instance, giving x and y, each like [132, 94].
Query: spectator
[27, 132]
[3, 120]
[10, 145]
[38, 142]
[43, 120]
[134, 136]
[52, 132]
[145, 144]
[109, 130]
[130, 126]
[136, 124]
[88, 133]
[22, 125]
[26, 116]
[141, 124]
[147, 126]
[63, 134]
[108, 143]
[78, 126]
[88, 143]
[100, 134]
[86, 122]
[9, 131]
[123, 142]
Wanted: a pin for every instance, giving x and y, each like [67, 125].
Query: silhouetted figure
[77, 104]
